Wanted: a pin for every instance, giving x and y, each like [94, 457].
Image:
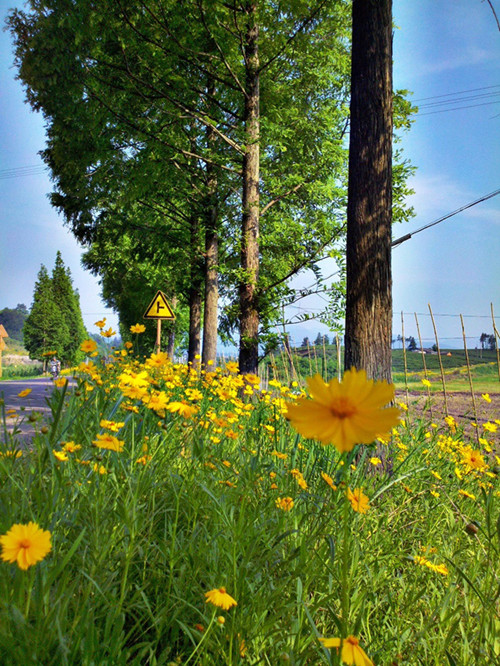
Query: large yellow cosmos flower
[25, 544]
[345, 413]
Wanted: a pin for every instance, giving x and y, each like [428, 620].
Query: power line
[457, 108]
[406, 237]
[21, 172]
[460, 92]
[457, 100]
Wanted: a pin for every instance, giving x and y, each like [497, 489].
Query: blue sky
[441, 47]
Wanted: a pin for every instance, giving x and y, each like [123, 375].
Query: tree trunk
[249, 315]
[194, 323]
[369, 207]
[210, 319]
[195, 290]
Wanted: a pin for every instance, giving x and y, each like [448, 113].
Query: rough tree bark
[369, 207]
[195, 291]
[210, 321]
[249, 315]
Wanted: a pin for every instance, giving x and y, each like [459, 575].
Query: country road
[34, 402]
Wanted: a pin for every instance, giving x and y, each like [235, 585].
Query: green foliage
[55, 321]
[45, 329]
[68, 302]
[130, 98]
[21, 371]
[189, 505]
[13, 321]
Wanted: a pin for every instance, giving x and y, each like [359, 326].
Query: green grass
[484, 368]
[189, 505]
[21, 371]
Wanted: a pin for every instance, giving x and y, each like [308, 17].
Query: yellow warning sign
[159, 308]
[3, 332]
[2, 344]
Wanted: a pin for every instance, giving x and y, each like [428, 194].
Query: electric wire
[406, 237]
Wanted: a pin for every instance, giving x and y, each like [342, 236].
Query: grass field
[160, 485]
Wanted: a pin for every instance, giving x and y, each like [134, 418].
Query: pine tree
[68, 302]
[45, 329]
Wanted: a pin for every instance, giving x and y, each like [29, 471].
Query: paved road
[34, 402]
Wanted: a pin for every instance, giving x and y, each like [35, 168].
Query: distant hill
[13, 321]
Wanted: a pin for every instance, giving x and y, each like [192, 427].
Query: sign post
[3, 334]
[159, 309]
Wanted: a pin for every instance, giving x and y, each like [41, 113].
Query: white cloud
[471, 55]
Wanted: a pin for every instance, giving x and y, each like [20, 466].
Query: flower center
[352, 640]
[222, 590]
[24, 543]
[343, 408]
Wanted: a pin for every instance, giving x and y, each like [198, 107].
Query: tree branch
[303, 25]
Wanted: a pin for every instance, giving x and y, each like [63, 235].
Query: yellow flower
[466, 494]
[101, 323]
[109, 333]
[345, 413]
[486, 396]
[328, 479]
[25, 544]
[351, 652]
[157, 360]
[359, 501]
[232, 366]
[437, 568]
[62, 381]
[24, 393]
[426, 382]
[220, 598]
[186, 411]
[114, 426]
[490, 427]
[137, 328]
[70, 447]
[473, 459]
[285, 503]
[375, 461]
[60, 455]
[107, 441]
[88, 346]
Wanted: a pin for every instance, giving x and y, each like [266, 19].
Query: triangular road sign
[3, 332]
[159, 308]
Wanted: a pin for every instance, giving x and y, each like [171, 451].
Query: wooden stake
[470, 377]
[445, 396]
[424, 363]
[404, 357]
[497, 336]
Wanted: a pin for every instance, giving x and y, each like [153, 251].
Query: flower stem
[202, 640]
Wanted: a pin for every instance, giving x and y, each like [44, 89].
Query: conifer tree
[68, 302]
[45, 329]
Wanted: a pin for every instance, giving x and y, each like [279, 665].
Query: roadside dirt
[459, 405]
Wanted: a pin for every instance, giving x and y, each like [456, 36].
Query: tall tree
[45, 329]
[68, 302]
[369, 205]
[149, 108]
[249, 311]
